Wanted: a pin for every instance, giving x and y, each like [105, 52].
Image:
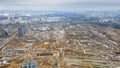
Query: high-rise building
[20, 32]
[55, 65]
[30, 64]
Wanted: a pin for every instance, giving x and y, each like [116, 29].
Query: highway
[7, 40]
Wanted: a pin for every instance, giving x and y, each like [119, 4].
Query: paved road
[7, 40]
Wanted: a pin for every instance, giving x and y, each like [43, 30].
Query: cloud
[60, 4]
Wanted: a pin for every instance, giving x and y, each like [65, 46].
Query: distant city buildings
[59, 41]
[29, 64]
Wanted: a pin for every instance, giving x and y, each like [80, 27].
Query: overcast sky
[74, 5]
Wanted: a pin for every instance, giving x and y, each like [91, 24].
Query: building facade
[30, 64]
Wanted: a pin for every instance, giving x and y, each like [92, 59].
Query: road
[7, 40]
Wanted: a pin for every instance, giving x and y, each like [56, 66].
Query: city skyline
[69, 5]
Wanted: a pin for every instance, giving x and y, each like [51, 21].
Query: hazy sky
[73, 5]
